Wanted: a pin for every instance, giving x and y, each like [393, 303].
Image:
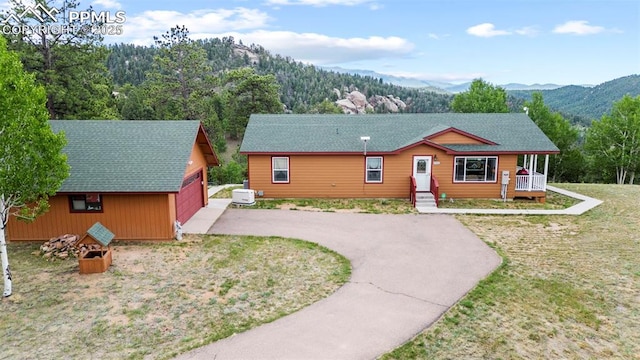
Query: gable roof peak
[128, 155]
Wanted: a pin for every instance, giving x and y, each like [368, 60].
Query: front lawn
[568, 288]
[160, 299]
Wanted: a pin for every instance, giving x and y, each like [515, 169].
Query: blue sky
[502, 41]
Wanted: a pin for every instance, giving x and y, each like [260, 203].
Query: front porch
[528, 179]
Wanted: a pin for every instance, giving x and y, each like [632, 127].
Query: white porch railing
[533, 182]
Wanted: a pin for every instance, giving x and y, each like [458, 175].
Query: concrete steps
[425, 200]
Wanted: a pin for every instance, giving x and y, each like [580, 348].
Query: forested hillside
[301, 86]
[589, 103]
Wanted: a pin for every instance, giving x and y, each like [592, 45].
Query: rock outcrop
[241, 50]
[356, 102]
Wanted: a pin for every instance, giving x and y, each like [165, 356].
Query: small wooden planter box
[97, 258]
[95, 261]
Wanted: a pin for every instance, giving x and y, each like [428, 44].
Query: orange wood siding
[173, 209]
[454, 138]
[128, 216]
[198, 162]
[343, 176]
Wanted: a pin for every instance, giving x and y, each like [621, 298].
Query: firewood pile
[61, 247]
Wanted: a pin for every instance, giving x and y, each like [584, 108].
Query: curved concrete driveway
[407, 271]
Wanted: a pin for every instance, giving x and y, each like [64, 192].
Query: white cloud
[107, 4]
[486, 30]
[527, 31]
[321, 49]
[578, 27]
[320, 3]
[140, 29]
[248, 25]
[435, 36]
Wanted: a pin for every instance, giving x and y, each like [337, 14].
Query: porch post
[524, 165]
[546, 170]
[530, 182]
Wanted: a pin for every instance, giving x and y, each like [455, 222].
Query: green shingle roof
[126, 156]
[307, 133]
[100, 234]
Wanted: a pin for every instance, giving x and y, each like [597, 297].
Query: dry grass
[553, 201]
[160, 299]
[369, 206]
[226, 193]
[569, 288]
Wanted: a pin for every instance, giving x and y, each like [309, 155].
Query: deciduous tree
[613, 143]
[569, 164]
[326, 107]
[482, 97]
[32, 165]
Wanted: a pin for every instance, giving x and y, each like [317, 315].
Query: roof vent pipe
[365, 139]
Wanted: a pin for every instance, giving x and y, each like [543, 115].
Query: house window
[475, 169]
[85, 203]
[374, 169]
[280, 169]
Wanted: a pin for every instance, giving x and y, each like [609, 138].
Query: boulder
[347, 106]
[358, 99]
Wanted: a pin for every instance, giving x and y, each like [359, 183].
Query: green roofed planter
[95, 250]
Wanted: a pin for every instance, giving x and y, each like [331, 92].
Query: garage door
[190, 198]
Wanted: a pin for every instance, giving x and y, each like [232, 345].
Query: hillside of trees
[301, 86]
[585, 104]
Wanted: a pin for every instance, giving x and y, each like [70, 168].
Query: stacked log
[61, 247]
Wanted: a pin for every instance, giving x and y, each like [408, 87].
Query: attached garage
[190, 199]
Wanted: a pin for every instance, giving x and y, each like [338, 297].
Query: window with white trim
[475, 169]
[280, 169]
[374, 169]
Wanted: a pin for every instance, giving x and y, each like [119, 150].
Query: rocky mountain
[302, 86]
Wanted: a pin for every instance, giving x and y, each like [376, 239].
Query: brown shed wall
[128, 216]
[343, 176]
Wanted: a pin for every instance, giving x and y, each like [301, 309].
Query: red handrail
[435, 189]
[412, 190]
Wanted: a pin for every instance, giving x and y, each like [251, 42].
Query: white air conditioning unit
[243, 197]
